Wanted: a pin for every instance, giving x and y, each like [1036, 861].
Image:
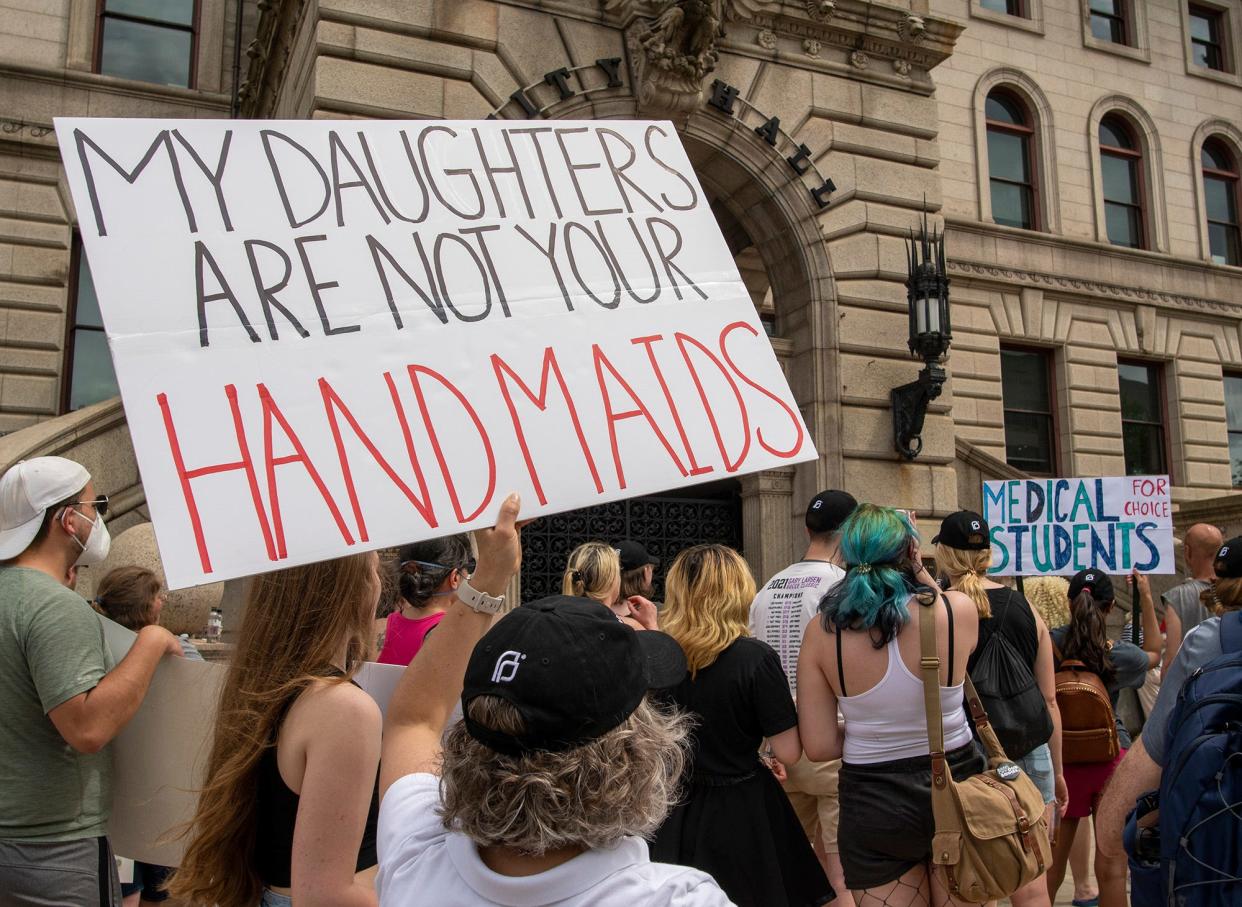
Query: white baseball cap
[27, 490]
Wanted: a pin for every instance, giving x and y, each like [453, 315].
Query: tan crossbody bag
[991, 837]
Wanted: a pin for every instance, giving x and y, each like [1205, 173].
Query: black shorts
[886, 824]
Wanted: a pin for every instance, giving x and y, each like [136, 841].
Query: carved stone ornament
[821, 10]
[901, 67]
[859, 60]
[766, 39]
[812, 47]
[674, 46]
[912, 28]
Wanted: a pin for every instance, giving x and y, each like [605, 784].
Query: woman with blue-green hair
[860, 662]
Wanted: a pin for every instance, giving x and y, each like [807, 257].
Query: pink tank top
[403, 637]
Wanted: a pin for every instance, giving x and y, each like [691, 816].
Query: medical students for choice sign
[338, 336]
[1061, 526]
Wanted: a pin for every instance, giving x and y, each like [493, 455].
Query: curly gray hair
[622, 784]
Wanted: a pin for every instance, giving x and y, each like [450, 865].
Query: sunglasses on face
[100, 504]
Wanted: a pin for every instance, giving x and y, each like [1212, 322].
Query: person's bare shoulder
[336, 706]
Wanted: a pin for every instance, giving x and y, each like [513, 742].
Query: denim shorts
[275, 899]
[1038, 767]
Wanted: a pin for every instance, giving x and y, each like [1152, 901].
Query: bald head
[1199, 547]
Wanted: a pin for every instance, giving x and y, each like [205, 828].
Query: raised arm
[1153, 639]
[431, 685]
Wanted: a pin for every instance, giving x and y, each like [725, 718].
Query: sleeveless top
[1014, 621]
[889, 722]
[277, 810]
[404, 636]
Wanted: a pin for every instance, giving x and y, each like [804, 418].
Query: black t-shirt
[1013, 620]
[737, 700]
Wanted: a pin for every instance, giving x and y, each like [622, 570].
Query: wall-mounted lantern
[927, 292]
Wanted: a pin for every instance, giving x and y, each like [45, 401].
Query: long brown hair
[707, 597]
[296, 622]
[1086, 639]
[127, 596]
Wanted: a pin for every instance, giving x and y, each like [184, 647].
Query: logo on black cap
[506, 666]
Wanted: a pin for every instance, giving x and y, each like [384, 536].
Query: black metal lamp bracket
[910, 403]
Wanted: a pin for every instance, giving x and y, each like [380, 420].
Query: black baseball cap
[965, 531]
[634, 555]
[1229, 559]
[570, 668]
[1099, 582]
[828, 510]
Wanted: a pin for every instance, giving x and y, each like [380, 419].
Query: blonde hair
[707, 597]
[623, 783]
[1049, 595]
[296, 623]
[1224, 594]
[966, 570]
[593, 571]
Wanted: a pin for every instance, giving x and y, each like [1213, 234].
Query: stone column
[767, 530]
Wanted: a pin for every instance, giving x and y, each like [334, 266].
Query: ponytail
[966, 570]
[1086, 639]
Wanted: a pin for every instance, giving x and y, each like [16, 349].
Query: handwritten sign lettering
[337, 336]
[1061, 526]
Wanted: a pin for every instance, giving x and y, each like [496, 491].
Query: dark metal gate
[663, 524]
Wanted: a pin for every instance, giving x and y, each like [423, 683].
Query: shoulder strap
[949, 609]
[840, 662]
[1231, 632]
[929, 665]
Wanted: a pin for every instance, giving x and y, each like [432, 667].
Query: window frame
[1138, 160]
[1135, 27]
[1229, 433]
[1122, 20]
[1030, 134]
[1031, 17]
[1166, 448]
[76, 258]
[1048, 354]
[1234, 178]
[1219, 25]
[194, 29]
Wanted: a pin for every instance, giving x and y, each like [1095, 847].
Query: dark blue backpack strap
[1231, 632]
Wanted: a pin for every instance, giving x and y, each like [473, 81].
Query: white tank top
[889, 721]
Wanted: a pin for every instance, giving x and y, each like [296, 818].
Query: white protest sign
[1060, 526]
[338, 336]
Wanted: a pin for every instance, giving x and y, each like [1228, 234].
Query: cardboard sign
[159, 760]
[338, 336]
[1060, 526]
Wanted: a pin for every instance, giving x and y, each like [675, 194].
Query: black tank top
[277, 808]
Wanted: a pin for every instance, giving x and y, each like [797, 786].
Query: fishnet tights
[917, 888]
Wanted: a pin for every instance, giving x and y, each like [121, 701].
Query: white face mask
[97, 546]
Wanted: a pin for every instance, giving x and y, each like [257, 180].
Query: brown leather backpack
[1088, 726]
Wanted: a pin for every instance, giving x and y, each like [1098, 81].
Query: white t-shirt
[786, 604]
[421, 862]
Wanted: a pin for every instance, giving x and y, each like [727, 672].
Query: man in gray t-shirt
[1183, 610]
[62, 701]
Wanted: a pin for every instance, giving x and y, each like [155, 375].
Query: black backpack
[1010, 693]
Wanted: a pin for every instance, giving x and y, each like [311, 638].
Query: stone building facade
[822, 130]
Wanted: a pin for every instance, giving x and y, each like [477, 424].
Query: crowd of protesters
[729, 745]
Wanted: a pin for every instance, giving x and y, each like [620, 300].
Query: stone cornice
[866, 28]
[1095, 289]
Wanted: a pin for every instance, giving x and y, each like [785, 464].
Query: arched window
[1121, 169]
[1011, 167]
[1220, 193]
